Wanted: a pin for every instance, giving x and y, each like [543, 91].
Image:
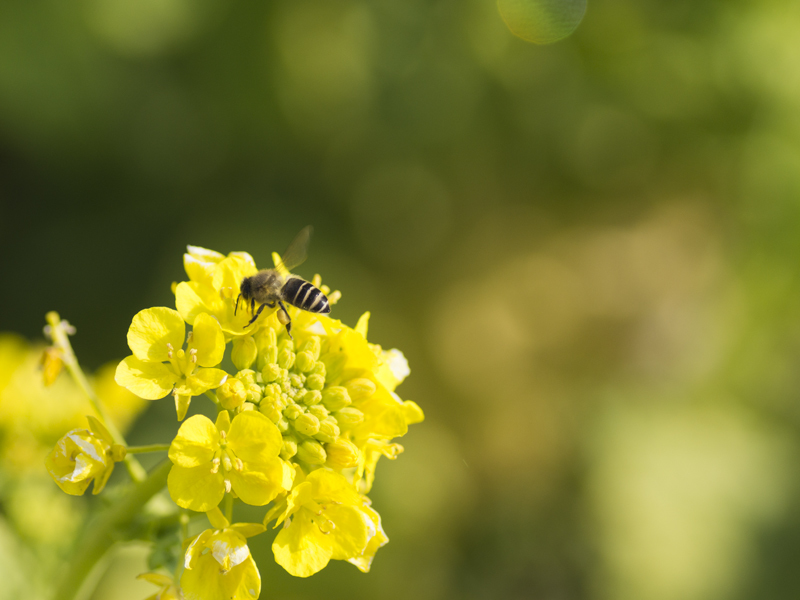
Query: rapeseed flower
[169, 590]
[159, 364]
[239, 456]
[218, 563]
[83, 456]
[326, 519]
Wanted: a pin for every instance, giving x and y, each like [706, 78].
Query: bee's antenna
[235, 308]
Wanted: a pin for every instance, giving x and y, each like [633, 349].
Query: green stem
[148, 448]
[61, 340]
[107, 529]
[228, 503]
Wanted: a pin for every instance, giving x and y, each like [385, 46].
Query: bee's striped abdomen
[304, 295]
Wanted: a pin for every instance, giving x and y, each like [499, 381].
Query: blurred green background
[587, 251]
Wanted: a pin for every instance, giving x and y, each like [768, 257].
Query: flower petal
[329, 486]
[258, 484]
[148, 380]
[208, 340]
[203, 380]
[301, 548]
[152, 329]
[205, 581]
[193, 298]
[353, 530]
[364, 561]
[196, 488]
[195, 443]
[254, 438]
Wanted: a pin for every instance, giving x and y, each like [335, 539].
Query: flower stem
[149, 448]
[60, 338]
[106, 529]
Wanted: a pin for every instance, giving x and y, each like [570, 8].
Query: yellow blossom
[218, 563]
[159, 364]
[327, 519]
[239, 456]
[83, 456]
[169, 590]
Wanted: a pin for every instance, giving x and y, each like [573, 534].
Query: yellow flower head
[239, 456]
[218, 565]
[327, 519]
[83, 456]
[159, 364]
[212, 288]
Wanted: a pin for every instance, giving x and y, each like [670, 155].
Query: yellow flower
[83, 456]
[241, 457]
[169, 590]
[328, 519]
[218, 563]
[213, 287]
[159, 365]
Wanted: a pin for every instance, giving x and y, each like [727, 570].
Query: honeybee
[269, 288]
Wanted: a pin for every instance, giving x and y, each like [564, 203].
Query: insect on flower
[270, 287]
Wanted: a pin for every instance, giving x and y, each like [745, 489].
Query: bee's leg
[252, 306]
[236, 306]
[255, 316]
[283, 317]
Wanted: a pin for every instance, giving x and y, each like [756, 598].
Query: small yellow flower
[240, 456]
[218, 563]
[83, 456]
[212, 288]
[327, 519]
[169, 589]
[159, 364]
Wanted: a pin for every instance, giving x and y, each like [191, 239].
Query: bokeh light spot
[542, 21]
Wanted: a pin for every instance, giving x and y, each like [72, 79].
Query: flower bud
[307, 424]
[289, 448]
[271, 372]
[286, 359]
[311, 397]
[78, 458]
[312, 452]
[232, 393]
[305, 361]
[292, 412]
[360, 388]
[246, 376]
[342, 454]
[244, 352]
[348, 417]
[296, 381]
[247, 406]
[312, 345]
[270, 411]
[336, 397]
[319, 369]
[254, 393]
[282, 425]
[328, 430]
[315, 382]
[318, 410]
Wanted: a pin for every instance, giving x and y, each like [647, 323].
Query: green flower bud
[311, 452]
[348, 417]
[282, 425]
[315, 382]
[246, 376]
[307, 424]
[328, 430]
[312, 345]
[318, 410]
[247, 406]
[342, 454]
[286, 344]
[336, 397]
[272, 391]
[254, 393]
[319, 369]
[270, 411]
[311, 397]
[232, 393]
[360, 388]
[305, 361]
[270, 372]
[292, 411]
[289, 448]
[296, 381]
[244, 352]
[286, 359]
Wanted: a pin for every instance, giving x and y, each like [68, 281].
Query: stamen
[215, 467]
[238, 464]
[190, 337]
[228, 486]
[226, 462]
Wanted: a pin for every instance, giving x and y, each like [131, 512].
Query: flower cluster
[301, 422]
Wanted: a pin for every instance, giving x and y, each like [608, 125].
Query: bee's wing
[296, 253]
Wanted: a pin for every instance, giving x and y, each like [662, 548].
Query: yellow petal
[254, 438]
[248, 530]
[197, 488]
[195, 444]
[217, 519]
[353, 530]
[205, 580]
[203, 380]
[208, 340]
[301, 548]
[364, 561]
[258, 484]
[193, 298]
[328, 485]
[148, 380]
[152, 330]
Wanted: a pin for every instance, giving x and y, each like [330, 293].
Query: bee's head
[246, 287]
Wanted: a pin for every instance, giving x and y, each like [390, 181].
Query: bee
[269, 288]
